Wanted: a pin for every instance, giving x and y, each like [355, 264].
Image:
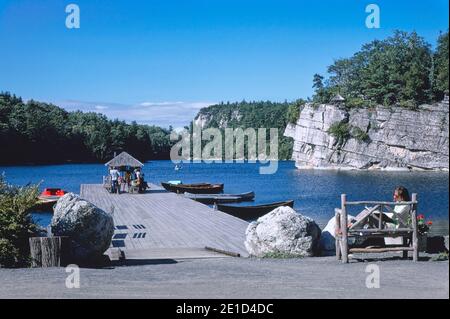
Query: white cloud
[176, 114]
[149, 104]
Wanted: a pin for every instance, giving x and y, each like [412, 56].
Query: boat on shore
[48, 199]
[198, 188]
[252, 212]
[220, 198]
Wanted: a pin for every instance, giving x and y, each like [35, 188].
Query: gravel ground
[319, 277]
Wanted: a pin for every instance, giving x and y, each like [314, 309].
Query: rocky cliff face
[203, 120]
[379, 138]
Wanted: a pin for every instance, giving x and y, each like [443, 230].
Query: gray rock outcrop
[284, 231]
[89, 228]
[380, 138]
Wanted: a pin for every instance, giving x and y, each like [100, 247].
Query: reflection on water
[316, 192]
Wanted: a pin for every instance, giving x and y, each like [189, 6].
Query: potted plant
[423, 227]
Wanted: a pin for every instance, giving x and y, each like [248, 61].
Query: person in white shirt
[400, 214]
[114, 173]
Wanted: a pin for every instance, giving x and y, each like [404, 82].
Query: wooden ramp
[160, 223]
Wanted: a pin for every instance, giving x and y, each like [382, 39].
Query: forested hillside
[35, 132]
[252, 115]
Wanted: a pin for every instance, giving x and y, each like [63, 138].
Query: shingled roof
[338, 98]
[124, 159]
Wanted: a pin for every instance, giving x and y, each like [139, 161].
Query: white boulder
[283, 230]
[89, 228]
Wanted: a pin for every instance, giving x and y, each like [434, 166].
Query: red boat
[53, 192]
[48, 199]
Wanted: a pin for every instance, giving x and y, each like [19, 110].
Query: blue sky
[158, 62]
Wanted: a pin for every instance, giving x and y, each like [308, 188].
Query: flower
[422, 226]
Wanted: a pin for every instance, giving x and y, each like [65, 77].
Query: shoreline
[257, 162]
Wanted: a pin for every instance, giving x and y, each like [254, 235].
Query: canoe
[220, 198]
[252, 212]
[199, 188]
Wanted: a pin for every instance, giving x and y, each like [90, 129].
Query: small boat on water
[220, 198]
[48, 199]
[199, 188]
[252, 212]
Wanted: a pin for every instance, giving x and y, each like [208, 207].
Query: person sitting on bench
[400, 215]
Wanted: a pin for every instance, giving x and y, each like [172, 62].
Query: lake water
[316, 192]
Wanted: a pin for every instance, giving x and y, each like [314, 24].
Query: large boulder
[89, 228]
[284, 231]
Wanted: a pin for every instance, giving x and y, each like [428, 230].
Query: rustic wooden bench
[374, 221]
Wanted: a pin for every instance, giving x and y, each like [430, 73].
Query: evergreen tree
[441, 62]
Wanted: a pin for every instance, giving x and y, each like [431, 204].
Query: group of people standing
[125, 180]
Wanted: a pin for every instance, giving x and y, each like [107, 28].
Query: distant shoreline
[145, 161]
[381, 169]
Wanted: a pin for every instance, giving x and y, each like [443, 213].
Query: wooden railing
[376, 213]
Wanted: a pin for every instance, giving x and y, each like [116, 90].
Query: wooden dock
[160, 224]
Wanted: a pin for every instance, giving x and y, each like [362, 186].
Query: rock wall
[394, 138]
[203, 119]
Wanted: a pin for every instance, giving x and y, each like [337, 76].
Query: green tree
[317, 82]
[441, 63]
[394, 71]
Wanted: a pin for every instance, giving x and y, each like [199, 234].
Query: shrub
[360, 135]
[9, 255]
[16, 224]
[355, 102]
[441, 257]
[408, 104]
[340, 131]
[293, 112]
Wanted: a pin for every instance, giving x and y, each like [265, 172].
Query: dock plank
[171, 221]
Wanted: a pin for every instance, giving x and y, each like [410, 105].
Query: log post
[415, 243]
[35, 252]
[380, 221]
[344, 222]
[49, 251]
[337, 230]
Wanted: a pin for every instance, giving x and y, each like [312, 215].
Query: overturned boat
[252, 212]
[199, 188]
[220, 198]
